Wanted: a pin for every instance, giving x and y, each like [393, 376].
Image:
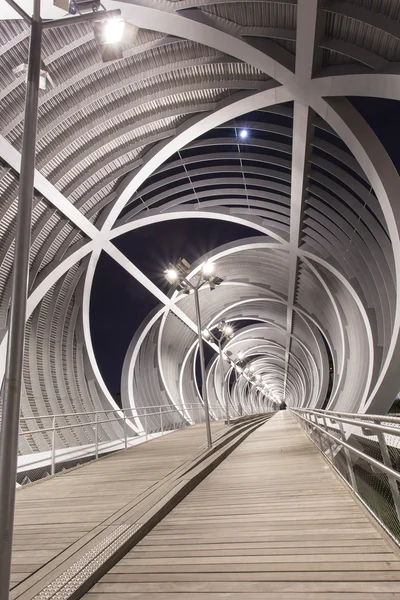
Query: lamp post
[9, 434]
[226, 333]
[177, 275]
[238, 374]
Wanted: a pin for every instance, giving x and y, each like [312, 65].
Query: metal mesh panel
[134, 425]
[368, 459]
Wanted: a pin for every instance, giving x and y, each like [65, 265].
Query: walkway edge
[72, 579]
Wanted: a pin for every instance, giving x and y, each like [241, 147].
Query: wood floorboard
[272, 522]
[55, 513]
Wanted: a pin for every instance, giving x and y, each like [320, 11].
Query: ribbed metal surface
[261, 14]
[102, 121]
[363, 35]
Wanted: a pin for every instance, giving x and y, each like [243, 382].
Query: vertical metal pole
[224, 394]
[348, 459]
[329, 441]
[96, 436]
[161, 422]
[53, 448]
[125, 433]
[238, 402]
[16, 334]
[202, 367]
[388, 462]
[145, 424]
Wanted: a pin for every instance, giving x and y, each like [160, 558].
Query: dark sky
[119, 303]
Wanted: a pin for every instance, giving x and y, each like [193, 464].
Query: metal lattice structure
[153, 137]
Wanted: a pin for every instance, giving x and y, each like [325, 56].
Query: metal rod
[224, 394]
[93, 16]
[102, 412]
[364, 423]
[125, 433]
[96, 437]
[202, 368]
[16, 337]
[53, 448]
[20, 11]
[362, 455]
[329, 441]
[392, 482]
[379, 418]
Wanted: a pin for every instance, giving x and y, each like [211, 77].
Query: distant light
[241, 355]
[208, 268]
[243, 133]
[228, 330]
[251, 369]
[171, 275]
[113, 30]
[206, 334]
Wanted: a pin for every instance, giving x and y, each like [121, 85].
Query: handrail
[89, 423]
[359, 423]
[383, 501]
[359, 453]
[386, 418]
[94, 412]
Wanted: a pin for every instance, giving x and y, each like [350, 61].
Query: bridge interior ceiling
[313, 292]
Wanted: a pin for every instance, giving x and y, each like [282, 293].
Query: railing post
[125, 433]
[53, 448]
[348, 459]
[96, 436]
[388, 463]
[161, 422]
[329, 441]
[145, 424]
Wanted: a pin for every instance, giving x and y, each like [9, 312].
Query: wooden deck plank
[54, 514]
[271, 522]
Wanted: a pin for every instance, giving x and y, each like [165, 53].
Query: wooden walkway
[57, 517]
[272, 522]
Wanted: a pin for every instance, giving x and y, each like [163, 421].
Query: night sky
[119, 303]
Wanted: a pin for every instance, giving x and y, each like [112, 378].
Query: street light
[177, 275]
[226, 333]
[239, 371]
[16, 330]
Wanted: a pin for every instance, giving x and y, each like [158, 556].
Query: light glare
[208, 268]
[241, 355]
[171, 275]
[228, 330]
[113, 30]
[243, 133]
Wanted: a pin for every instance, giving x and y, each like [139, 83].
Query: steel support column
[16, 338]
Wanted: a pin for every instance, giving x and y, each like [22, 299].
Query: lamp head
[228, 330]
[171, 275]
[208, 268]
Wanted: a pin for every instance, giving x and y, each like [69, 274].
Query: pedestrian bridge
[263, 515]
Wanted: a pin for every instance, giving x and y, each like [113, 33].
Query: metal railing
[50, 443]
[365, 451]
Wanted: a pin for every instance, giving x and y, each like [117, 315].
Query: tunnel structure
[235, 112]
